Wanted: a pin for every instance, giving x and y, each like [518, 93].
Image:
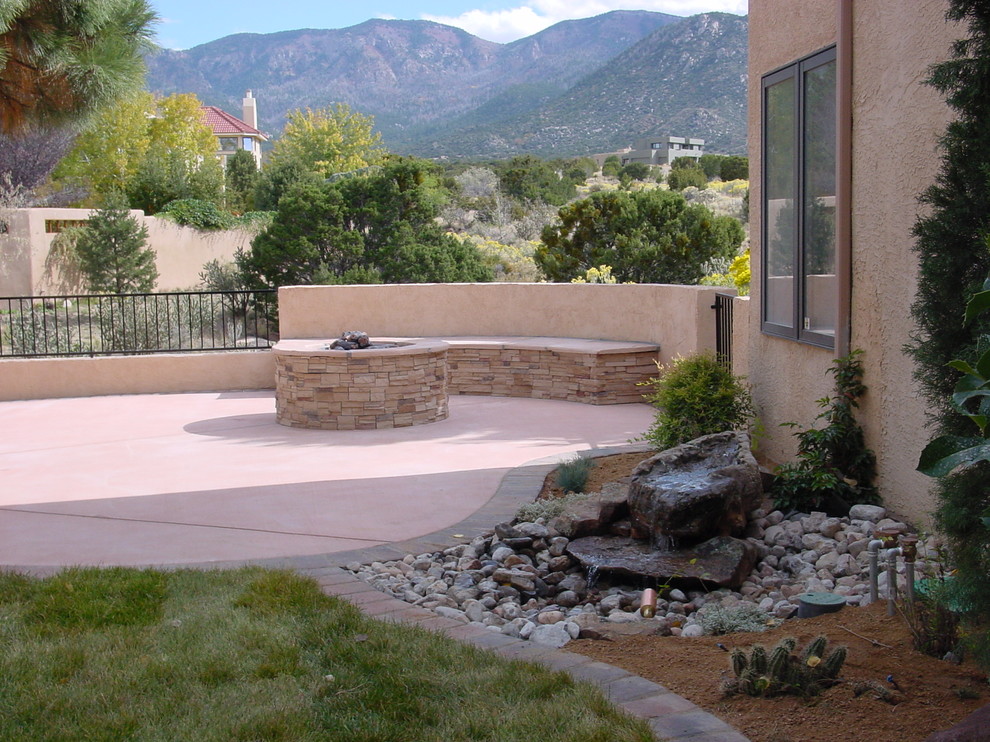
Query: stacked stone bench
[566, 369]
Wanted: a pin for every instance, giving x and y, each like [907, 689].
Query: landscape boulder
[696, 491]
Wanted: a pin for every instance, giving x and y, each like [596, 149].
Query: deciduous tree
[329, 140]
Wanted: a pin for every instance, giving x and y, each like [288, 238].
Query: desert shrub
[680, 178]
[781, 672]
[37, 331]
[572, 476]
[192, 212]
[611, 166]
[718, 619]
[635, 171]
[835, 469]
[550, 507]
[696, 396]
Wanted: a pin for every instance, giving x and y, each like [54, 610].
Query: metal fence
[122, 324]
[723, 328]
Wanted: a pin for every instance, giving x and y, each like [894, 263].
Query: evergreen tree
[379, 227]
[645, 236]
[240, 179]
[953, 262]
[113, 253]
[63, 59]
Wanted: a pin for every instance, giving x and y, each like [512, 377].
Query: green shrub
[572, 476]
[192, 212]
[834, 469]
[781, 672]
[680, 178]
[696, 396]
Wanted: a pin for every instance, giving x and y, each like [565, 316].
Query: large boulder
[695, 491]
[723, 561]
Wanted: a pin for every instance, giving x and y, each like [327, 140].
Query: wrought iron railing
[723, 328]
[122, 324]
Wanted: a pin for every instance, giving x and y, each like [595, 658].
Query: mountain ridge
[431, 86]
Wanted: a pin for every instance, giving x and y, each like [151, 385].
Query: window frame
[797, 72]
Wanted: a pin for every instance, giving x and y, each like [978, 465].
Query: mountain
[685, 79]
[431, 86]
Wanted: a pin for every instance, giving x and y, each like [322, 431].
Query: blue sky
[187, 23]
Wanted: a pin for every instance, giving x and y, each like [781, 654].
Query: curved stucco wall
[897, 121]
[677, 318]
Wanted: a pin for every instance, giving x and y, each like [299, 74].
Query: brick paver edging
[670, 716]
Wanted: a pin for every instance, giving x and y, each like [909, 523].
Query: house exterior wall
[897, 121]
[181, 252]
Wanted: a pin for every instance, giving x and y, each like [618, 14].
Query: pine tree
[62, 59]
[113, 253]
[953, 262]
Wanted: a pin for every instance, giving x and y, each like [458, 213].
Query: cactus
[781, 672]
[832, 665]
[739, 662]
[815, 648]
[758, 659]
[780, 658]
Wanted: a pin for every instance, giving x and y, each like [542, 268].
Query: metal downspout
[843, 174]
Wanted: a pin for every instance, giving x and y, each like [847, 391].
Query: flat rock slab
[722, 561]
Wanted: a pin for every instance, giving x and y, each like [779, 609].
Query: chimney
[250, 116]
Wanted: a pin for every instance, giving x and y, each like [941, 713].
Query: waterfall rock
[697, 490]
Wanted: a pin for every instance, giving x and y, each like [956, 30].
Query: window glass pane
[820, 289]
[779, 209]
[248, 144]
[228, 144]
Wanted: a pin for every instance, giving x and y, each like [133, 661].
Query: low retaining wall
[47, 378]
[679, 319]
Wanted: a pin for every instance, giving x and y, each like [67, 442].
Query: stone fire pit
[393, 383]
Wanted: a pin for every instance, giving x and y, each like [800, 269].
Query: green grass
[257, 655]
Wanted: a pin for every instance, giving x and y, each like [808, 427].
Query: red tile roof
[223, 123]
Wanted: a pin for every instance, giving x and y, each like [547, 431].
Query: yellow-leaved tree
[329, 140]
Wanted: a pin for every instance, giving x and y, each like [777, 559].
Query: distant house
[663, 150]
[234, 133]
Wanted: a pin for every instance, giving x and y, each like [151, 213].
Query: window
[248, 144]
[228, 144]
[799, 284]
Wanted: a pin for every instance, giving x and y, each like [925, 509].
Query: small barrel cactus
[782, 672]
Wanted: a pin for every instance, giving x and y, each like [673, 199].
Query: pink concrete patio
[192, 478]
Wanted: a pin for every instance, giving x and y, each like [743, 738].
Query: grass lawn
[123, 654]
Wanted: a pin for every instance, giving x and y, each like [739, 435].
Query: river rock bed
[521, 581]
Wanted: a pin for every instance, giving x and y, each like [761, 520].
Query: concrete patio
[211, 477]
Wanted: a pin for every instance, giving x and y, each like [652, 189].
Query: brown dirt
[933, 694]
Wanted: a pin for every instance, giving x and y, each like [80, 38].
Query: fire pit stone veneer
[396, 386]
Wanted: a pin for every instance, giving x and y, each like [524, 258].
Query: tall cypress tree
[953, 262]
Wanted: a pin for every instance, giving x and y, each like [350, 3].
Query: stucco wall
[43, 378]
[180, 252]
[677, 318]
[897, 122]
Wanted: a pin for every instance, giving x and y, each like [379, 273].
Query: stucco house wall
[897, 121]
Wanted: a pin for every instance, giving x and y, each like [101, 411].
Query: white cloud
[535, 15]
